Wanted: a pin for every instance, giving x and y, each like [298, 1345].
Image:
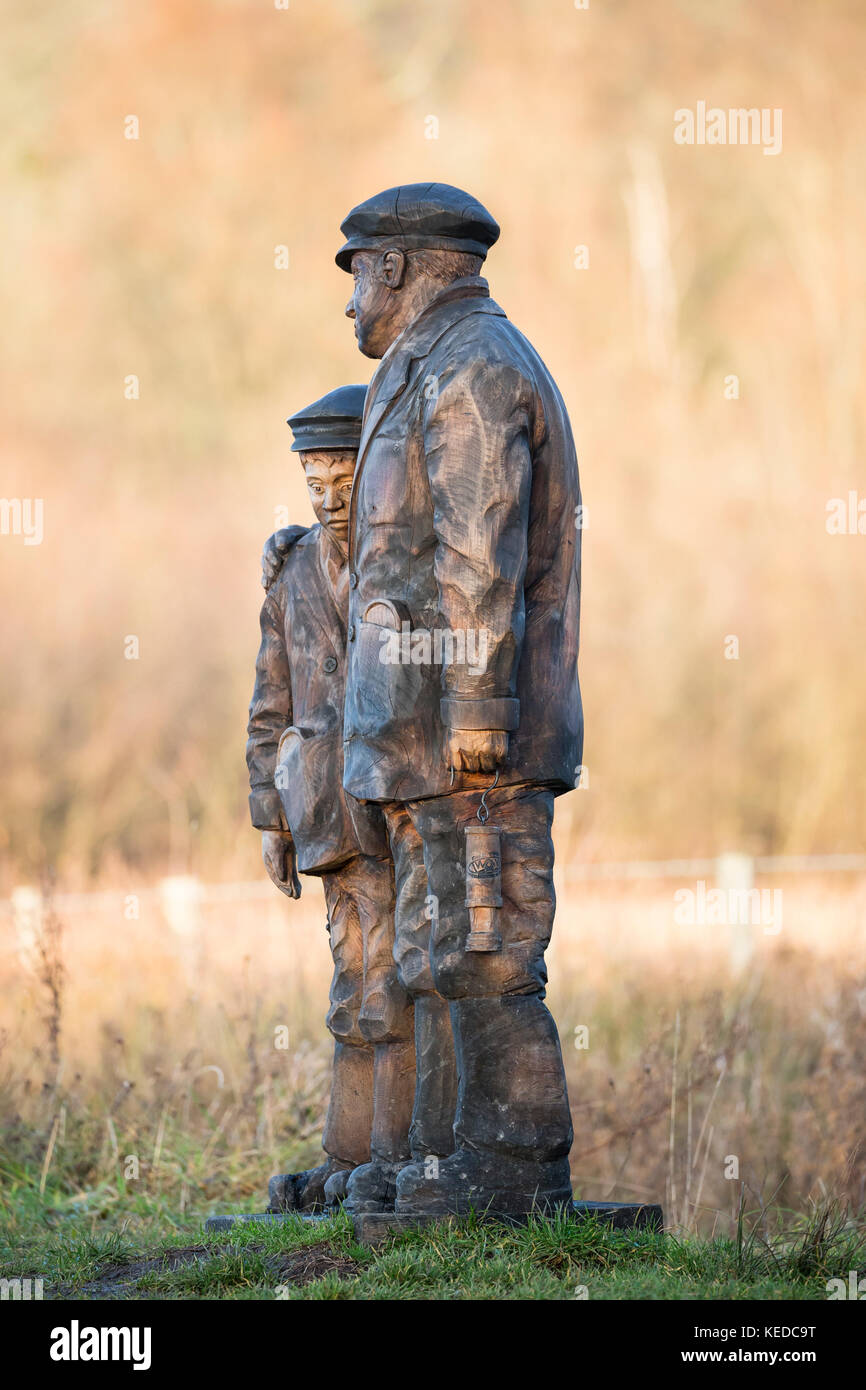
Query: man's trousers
[512, 1102]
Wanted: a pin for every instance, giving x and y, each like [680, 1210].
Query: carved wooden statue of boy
[295, 759]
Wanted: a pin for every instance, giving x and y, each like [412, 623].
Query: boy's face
[329, 483]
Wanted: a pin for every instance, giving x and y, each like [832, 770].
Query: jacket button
[330, 664]
[351, 632]
[353, 580]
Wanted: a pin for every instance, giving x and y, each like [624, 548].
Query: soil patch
[294, 1267]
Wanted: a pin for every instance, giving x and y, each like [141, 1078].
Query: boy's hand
[276, 548]
[278, 852]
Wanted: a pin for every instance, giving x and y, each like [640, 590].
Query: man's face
[375, 303]
[329, 483]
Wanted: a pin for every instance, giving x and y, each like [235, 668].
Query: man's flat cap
[418, 215]
[334, 422]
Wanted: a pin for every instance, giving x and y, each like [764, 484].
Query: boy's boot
[346, 1139]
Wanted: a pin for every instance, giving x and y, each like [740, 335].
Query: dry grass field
[138, 1059]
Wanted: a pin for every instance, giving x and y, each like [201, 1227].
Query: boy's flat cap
[333, 422]
[418, 215]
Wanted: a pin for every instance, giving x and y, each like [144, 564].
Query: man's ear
[391, 269]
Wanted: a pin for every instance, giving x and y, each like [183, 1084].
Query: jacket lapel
[468, 296]
[389, 382]
[320, 606]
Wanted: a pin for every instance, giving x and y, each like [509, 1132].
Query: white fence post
[180, 897]
[735, 875]
[27, 922]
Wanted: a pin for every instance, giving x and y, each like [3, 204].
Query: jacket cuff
[502, 713]
[266, 809]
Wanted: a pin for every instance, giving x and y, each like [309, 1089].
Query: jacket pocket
[387, 685]
[308, 778]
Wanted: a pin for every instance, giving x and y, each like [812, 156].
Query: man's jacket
[295, 733]
[464, 519]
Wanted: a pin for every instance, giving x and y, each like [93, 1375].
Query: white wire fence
[180, 895]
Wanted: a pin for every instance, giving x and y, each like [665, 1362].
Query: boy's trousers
[370, 1018]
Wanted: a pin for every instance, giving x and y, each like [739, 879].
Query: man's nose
[350, 309]
[333, 501]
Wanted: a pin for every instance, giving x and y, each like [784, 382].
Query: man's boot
[513, 1129]
[346, 1139]
[372, 1188]
[432, 1130]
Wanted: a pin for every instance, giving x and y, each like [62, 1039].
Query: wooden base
[372, 1227]
[225, 1223]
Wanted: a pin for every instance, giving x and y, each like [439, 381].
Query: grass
[142, 1089]
[154, 1065]
[142, 1251]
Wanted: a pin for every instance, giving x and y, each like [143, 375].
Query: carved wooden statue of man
[295, 758]
[463, 521]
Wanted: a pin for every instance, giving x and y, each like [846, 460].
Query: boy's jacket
[295, 732]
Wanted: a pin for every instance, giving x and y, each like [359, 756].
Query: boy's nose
[350, 309]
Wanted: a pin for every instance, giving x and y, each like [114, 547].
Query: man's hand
[278, 852]
[477, 750]
[276, 548]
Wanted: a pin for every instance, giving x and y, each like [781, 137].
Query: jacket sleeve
[478, 422]
[270, 713]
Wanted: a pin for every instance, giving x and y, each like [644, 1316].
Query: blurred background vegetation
[261, 127]
[129, 1026]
